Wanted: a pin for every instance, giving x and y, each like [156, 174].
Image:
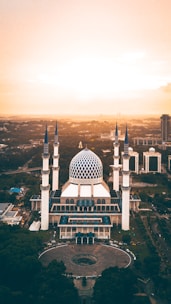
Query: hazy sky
[85, 56]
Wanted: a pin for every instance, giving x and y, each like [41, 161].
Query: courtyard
[86, 260]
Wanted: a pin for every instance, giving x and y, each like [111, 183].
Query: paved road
[22, 170]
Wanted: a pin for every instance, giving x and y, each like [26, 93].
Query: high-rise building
[165, 127]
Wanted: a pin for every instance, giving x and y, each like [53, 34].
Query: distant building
[152, 161]
[169, 162]
[35, 202]
[110, 136]
[133, 161]
[165, 127]
[8, 215]
[16, 190]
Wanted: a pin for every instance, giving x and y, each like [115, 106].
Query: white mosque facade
[85, 208]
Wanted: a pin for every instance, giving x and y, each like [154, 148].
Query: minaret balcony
[115, 167]
[45, 172]
[126, 188]
[125, 172]
[45, 187]
[126, 155]
[55, 156]
[116, 157]
[45, 155]
[55, 168]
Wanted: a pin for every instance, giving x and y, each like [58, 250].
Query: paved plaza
[86, 260]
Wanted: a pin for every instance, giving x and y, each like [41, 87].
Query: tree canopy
[115, 286]
[23, 279]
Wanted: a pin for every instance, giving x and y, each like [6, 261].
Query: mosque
[86, 208]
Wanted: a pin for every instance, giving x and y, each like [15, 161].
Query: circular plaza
[86, 260]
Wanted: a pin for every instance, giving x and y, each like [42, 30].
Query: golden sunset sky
[85, 57]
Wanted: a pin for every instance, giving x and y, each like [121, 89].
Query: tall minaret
[55, 168]
[125, 185]
[45, 187]
[116, 162]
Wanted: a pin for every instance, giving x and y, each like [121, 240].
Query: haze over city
[85, 57]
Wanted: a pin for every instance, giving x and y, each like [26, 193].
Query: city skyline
[85, 57]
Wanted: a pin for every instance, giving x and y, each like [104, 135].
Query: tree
[152, 265]
[126, 238]
[51, 286]
[23, 279]
[115, 286]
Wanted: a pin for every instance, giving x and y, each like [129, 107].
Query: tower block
[55, 168]
[45, 187]
[125, 187]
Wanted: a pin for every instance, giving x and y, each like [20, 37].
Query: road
[22, 170]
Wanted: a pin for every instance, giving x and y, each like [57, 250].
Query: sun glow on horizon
[89, 77]
[78, 55]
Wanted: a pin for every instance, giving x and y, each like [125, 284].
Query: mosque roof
[85, 220]
[89, 191]
[86, 165]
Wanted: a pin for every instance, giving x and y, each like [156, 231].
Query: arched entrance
[84, 238]
[91, 241]
[79, 240]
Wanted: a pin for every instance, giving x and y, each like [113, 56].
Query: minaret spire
[126, 142]
[115, 165]
[55, 168]
[45, 185]
[116, 133]
[46, 144]
[56, 134]
[125, 185]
